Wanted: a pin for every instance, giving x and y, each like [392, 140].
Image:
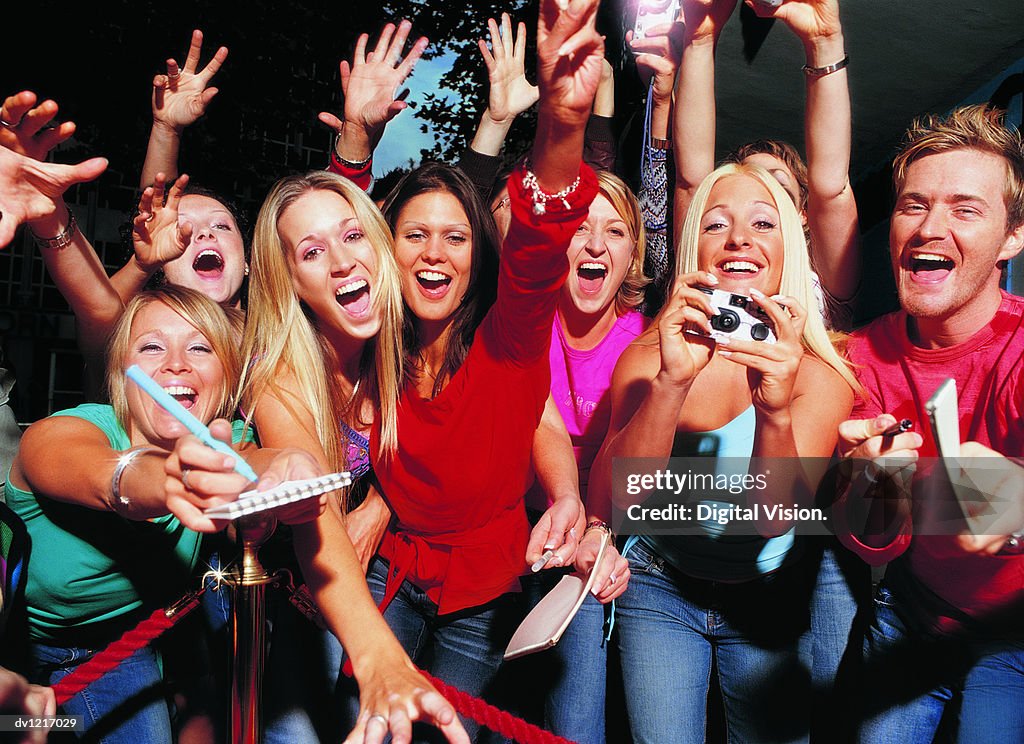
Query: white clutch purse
[547, 621]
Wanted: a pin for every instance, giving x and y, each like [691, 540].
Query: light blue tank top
[716, 554]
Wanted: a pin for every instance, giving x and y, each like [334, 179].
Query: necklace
[352, 397]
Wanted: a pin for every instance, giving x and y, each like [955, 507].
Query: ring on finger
[378, 717]
[174, 76]
[8, 124]
[184, 477]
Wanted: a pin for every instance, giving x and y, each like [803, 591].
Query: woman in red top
[476, 353]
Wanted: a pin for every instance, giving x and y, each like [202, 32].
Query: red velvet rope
[494, 718]
[480, 711]
[139, 637]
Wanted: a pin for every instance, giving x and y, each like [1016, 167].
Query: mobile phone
[651, 13]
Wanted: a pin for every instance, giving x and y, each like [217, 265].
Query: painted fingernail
[549, 546]
[711, 279]
[572, 531]
[757, 293]
[723, 341]
[612, 578]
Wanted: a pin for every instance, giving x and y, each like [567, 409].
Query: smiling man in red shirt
[948, 613]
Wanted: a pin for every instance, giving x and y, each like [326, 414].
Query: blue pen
[190, 422]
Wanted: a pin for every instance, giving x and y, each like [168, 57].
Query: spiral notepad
[251, 502]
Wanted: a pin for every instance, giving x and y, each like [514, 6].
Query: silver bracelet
[817, 72]
[119, 502]
[61, 241]
[540, 198]
[350, 164]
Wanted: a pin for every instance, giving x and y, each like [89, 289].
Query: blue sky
[403, 139]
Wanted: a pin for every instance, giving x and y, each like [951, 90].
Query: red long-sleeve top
[457, 483]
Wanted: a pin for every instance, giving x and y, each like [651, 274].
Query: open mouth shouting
[208, 264]
[929, 268]
[183, 394]
[433, 284]
[354, 297]
[591, 276]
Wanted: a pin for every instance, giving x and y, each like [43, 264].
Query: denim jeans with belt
[910, 676]
[126, 705]
[672, 626]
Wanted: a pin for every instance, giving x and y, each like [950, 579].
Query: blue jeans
[462, 648]
[910, 677]
[572, 675]
[831, 650]
[124, 706]
[300, 701]
[672, 626]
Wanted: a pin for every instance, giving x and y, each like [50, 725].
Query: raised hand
[570, 53]
[30, 189]
[510, 93]
[657, 57]
[705, 19]
[25, 127]
[809, 19]
[182, 95]
[156, 234]
[371, 81]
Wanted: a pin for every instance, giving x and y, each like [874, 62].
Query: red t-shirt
[899, 378]
[456, 484]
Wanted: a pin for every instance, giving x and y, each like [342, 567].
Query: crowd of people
[485, 350]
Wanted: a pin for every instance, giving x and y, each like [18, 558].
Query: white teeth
[179, 390]
[740, 266]
[208, 252]
[432, 276]
[350, 287]
[593, 265]
[928, 257]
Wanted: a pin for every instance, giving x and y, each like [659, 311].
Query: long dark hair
[483, 278]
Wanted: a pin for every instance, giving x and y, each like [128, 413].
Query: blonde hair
[281, 337]
[631, 292]
[796, 266]
[975, 127]
[199, 311]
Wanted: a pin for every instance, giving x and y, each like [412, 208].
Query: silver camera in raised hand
[651, 13]
[738, 317]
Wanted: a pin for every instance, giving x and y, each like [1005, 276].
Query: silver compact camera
[651, 13]
[738, 317]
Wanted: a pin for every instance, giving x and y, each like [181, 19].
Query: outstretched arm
[570, 54]
[831, 207]
[693, 129]
[179, 99]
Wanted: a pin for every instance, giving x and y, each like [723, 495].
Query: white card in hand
[251, 502]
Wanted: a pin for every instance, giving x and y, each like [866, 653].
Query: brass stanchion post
[248, 629]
